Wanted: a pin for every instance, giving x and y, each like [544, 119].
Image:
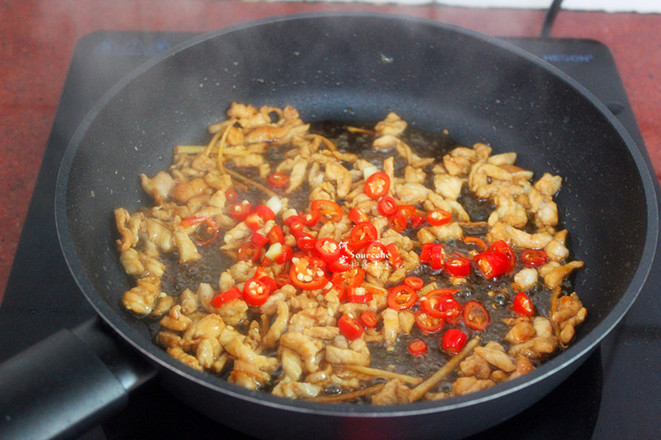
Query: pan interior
[357, 67]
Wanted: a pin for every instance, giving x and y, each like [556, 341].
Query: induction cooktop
[614, 394]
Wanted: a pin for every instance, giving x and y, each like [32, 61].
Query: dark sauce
[207, 269]
[360, 142]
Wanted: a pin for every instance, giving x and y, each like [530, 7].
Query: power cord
[549, 19]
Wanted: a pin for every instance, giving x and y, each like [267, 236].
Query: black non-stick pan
[344, 67]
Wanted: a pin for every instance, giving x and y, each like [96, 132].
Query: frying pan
[341, 66]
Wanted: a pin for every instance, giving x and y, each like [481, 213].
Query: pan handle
[68, 383]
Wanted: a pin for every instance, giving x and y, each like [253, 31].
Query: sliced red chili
[295, 224]
[306, 241]
[457, 266]
[350, 327]
[338, 290]
[240, 210]
[432, 254]
[393, 255]
[416, 220]
[278, 180]
[418, 347]
[359, 295]
[440, 303]
[407, 211]
[428, 324]
[269, 282]
[341, 264]
[328, 209]
[275, 235]
[397, 222]
[425, 252]
[225, 297]
[476, 316]
[357, 215]
[402, 297]
[259, 239]
[504, 248]
[387, 206]
[255, 292]
[362, 234]
[311, 218]
[260, 215]
[523, 305]
[249, 251]
[414, 283]
[285, 255]
[206, 232]
[492, 264]
[368, 319]
[307, 273]
[439, 217]
[377, 185]
[375, 251]
[454, 340]
[533, 257]
[259, 271]
[346, 249]
[353, 277]
[437, 262]
[264, 212]
[328, 249]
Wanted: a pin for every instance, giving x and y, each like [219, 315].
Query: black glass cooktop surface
[615, 394]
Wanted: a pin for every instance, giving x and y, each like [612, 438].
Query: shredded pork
[294, 341]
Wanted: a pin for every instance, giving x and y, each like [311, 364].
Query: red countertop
[37, 39]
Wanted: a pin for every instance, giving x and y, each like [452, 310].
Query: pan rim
[566, 359]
